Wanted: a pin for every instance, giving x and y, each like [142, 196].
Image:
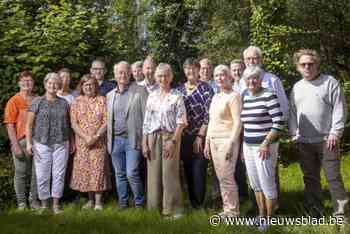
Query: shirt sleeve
[147, 118]
[34, 107]
[274, 110]
[11, 112]
[339, 110]
[282, 97]
[181, 117]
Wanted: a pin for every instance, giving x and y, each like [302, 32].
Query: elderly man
[125, 111]
[317, 119]
[98, 70]
[136, 71]
[253, 56]
[148, 69]
[206, 73]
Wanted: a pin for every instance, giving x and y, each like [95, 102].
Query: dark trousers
[195, 167]
[312, 157]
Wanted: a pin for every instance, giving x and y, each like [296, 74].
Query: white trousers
[50, 166]
[261, 173]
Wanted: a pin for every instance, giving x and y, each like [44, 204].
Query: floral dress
[90, 164]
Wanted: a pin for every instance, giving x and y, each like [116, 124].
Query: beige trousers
[163, 176]
[225, 170]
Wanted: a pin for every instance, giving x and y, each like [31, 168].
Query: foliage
[45, 36]
[174, 28]
[7, 193]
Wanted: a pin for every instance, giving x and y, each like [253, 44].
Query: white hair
[220, 68]
[253, 71]
[254, 49]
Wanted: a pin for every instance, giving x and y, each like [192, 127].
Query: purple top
[197, 106]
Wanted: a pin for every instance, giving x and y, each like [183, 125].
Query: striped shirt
[259, 115]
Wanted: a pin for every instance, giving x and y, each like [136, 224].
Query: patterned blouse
[197, 106]
[164, 114]
[51, 122]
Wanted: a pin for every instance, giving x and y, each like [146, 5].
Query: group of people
[227, 115]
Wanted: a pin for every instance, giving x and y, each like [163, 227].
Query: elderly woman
[15, 120]
[197, 97]
[65, 91]
[165, 118]
[262, 121]
[47, 135]
[90, 163]
[222, 141]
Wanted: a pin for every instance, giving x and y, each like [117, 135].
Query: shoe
[35, 204]
[174, 217]
[88, 205]
[98, 207]
[21, 206]
[42, 210]
[56, 210]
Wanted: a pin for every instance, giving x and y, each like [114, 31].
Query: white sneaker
[22, 206]
[98, 207]
[56, 210]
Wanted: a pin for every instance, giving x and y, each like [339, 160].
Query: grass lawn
[75, 220]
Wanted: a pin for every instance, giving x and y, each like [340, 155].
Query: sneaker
[88, 205]
[174, 217]
[56, 210]
[42, 210]
[98, 207]
[22, 206]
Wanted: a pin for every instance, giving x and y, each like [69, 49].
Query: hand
[332, 142]
[90, 140]
[146, 151]
[17, 151]
[198, 145]
[169, 149]
[72, 147]
[207, 153]
[263, 151]
[29, 148]
[229, 152]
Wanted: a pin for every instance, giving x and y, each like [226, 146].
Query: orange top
[16, 113]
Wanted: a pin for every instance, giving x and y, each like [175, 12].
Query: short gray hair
[137, 64]
[165, 67]
[253, 71]
[51, 75]
[122, 63]
[255, 49]
[222, 67]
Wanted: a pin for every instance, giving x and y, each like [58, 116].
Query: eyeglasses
[97, 68]
[306, 64]
[251, 58]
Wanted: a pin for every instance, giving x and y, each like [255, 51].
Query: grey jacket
[134, 115]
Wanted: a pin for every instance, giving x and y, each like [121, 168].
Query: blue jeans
[126, 164]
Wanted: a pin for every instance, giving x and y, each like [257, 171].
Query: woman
[262, 122]
[65, 91]
[47, 134]
[15, 120]
[165, 118]
[90, 164]
[222, 141]
[197, 97]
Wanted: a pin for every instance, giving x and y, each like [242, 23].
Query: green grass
[74, 220]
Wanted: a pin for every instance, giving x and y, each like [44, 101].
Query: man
[316, 124]
[15, 120]
[136, 70]
[148, 69]
[98, 70]
[125, 111]
[237, 68]
[253, 56]
[206, 73]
